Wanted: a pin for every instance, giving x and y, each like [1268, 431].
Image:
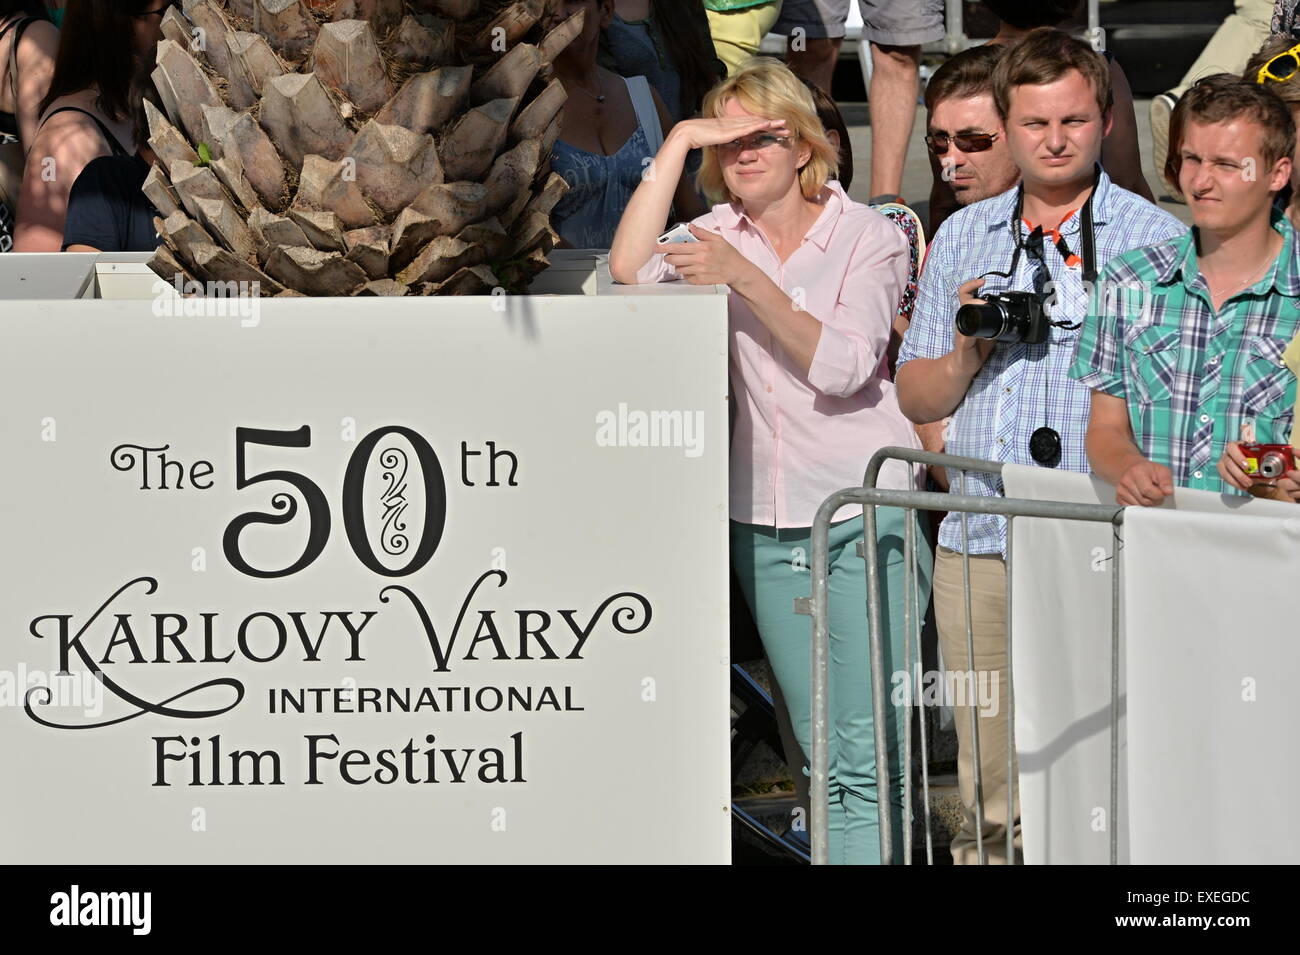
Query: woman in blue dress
[611, 128]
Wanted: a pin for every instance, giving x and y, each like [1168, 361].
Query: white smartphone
[678, 233]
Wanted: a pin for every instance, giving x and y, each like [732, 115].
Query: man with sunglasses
[968, 146]
[1014, 401]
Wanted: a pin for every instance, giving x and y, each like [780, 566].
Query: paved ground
[916, 176]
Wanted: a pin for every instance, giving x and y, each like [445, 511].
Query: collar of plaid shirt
[1183, 266]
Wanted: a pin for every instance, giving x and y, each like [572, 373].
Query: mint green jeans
[774, 567]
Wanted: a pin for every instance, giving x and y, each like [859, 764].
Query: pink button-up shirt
[799, 438]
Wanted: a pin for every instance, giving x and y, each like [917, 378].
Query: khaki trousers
[988, 582]
[1235, 42]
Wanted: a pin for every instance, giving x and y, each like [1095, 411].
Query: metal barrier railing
[871, 497]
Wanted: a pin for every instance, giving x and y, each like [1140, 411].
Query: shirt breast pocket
[1268, 390]
[1153, 362]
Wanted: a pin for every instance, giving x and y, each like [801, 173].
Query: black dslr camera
[1006, 317]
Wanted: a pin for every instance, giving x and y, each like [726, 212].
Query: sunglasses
[966, 142]
[1281, 67]
[758, 141]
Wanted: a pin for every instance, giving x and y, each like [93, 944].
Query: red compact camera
[1264, 462]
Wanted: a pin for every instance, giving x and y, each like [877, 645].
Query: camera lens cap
[1045, 447]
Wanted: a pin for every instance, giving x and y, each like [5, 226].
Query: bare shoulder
[70, 135]
[40, 41]
[619, 92]
[81, 99]
[57, 125]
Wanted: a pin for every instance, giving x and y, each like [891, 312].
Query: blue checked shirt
[1021, 387]
[1194, 378]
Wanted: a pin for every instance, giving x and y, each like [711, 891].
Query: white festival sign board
[364, 581]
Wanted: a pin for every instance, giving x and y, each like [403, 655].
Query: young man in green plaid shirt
[1183, 345]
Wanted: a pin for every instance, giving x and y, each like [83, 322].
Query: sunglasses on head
[1280, 68]
[966, 142]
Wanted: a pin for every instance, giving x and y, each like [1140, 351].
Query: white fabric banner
[1061, 625]
[1212, 648]
[1061, 652]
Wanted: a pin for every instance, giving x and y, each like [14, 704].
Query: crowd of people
[70, 114]
[1100, 335]
[1106, 337]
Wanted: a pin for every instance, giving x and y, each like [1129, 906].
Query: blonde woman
[815, 282]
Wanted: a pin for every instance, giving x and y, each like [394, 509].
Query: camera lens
[981, 321]
[1272, 465]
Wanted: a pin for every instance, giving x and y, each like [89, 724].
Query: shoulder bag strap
[114, 146]
[643, 102]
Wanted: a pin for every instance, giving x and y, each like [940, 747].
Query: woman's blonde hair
[766, 87]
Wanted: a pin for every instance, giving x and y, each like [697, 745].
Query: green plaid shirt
[1193, 379]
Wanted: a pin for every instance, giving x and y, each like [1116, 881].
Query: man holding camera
[1003, 375]
[1185, 346]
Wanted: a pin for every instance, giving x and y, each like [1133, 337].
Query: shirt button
[1002, 440]
[1006, 391]
[1204, 418]
[769, 389]
[1197, 475]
